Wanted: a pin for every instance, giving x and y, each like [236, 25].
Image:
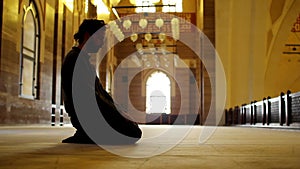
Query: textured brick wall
[13, 108]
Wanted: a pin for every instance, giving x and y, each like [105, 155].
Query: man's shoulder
[73, 52]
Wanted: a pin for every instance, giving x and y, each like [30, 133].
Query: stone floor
[226, 147]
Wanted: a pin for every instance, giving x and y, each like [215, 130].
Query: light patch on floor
[227, 147]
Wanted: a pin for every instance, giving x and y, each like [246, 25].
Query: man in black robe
[87, 43]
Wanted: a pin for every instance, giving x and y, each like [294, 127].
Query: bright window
[176, 8]
[144, 3]
[29, 53]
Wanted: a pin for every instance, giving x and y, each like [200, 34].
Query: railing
[281, 111]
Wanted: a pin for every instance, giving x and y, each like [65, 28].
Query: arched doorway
[158, 93]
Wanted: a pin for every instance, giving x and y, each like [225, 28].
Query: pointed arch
[274, 67]
[29, 52]
[158, 93]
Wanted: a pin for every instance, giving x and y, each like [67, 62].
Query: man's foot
[78, 139]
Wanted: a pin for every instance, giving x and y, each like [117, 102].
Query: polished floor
[226, 147]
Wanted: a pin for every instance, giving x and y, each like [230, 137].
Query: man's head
[86, 30]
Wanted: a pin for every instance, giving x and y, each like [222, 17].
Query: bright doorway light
[158, 93]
